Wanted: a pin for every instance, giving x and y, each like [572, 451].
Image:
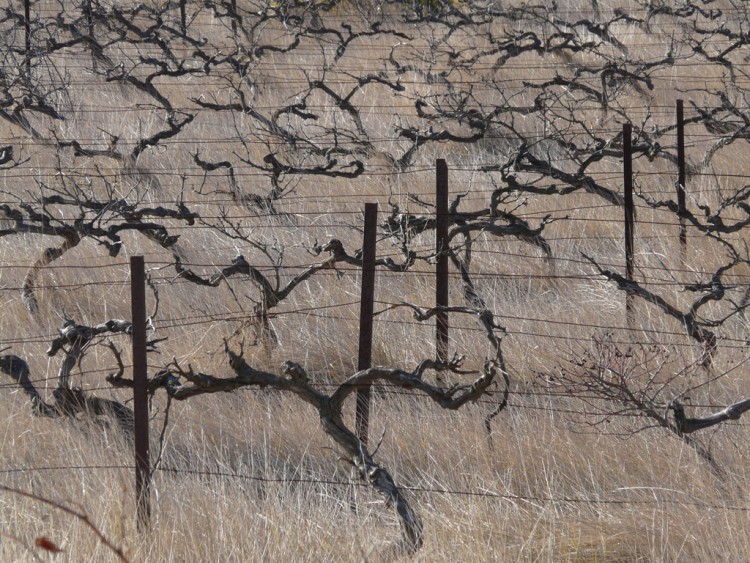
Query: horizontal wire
[486, 494]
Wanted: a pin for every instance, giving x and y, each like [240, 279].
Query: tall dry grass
[250, 476]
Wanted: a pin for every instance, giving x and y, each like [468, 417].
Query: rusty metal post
[183, 17]
[140, 393]
[681, 174]
[27, 29]
[441, 268]
[89, 18]
[90, 27]
[366, 311]
[627, 149]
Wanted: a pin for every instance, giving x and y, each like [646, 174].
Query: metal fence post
[27, 29]
[441, 268]
[140, 393]
[681, 174]
[365, 318]
[627, 133]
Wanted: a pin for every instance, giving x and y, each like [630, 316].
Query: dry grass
[250, 476]
[537, 462]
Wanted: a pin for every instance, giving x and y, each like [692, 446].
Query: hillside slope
[234, 144]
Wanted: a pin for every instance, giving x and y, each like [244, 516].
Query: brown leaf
[47, 544]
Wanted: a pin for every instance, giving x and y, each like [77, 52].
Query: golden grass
[536, 458]
[254, 477]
